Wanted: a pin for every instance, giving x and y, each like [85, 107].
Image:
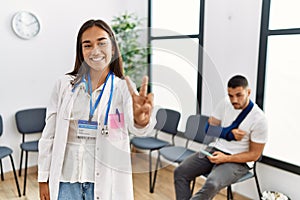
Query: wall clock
[25, 25]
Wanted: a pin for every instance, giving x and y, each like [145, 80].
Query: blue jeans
[76, 191]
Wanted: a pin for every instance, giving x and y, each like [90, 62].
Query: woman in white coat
[84, 150]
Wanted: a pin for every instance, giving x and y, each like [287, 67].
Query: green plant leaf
[134, 54]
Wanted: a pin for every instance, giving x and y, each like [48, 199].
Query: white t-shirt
[254, 124]
[79, 159]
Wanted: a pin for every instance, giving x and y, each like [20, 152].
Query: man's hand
[214, 122]
[44, 191]
[218, 157]
[142, 103]
[238, 134]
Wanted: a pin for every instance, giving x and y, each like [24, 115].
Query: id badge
[87, 129]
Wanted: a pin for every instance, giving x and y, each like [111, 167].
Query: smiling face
[97, 48]
[239, 96]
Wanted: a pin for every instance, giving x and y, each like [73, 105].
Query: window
[278, 85]
[282, 97]
[284, 14]
[176, 34]
[178, 17]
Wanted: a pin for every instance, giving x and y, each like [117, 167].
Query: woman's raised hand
[142, 102]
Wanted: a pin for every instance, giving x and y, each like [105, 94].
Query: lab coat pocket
[116, 125]
[116, 121]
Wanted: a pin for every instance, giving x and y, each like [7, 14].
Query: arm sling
[225, 132]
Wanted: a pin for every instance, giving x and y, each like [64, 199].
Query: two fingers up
[142, 102]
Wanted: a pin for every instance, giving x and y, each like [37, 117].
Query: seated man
[240, 142]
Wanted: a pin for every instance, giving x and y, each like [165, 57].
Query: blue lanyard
[93, 108]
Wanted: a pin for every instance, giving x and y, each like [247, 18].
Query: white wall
[29, 68]
[231, 46]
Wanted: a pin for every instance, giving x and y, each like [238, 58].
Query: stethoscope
[104, 130]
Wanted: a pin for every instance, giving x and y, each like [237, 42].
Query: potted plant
[129, 37]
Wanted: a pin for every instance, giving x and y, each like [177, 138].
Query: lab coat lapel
[68, 100]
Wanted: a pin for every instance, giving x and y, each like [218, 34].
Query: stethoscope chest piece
[104, 130]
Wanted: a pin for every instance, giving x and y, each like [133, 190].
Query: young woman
[84, 149]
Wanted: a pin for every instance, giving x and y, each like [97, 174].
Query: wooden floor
[164, 188]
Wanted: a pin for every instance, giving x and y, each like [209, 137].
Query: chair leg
[193, 186]
[156, 170]
[257, 183]
[229, 193]
[25, 173]
[158, 161]
[150, 172]
[21, 162]
[2, 175]
[152, 182]
[15, 175]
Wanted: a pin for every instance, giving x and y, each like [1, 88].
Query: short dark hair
[237, 81]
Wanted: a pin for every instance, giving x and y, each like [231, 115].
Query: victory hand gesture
[142, 102]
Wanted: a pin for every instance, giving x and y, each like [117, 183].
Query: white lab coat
[113, 173]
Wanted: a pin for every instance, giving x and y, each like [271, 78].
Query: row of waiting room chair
[28, 121]
[167, 122]
[33, 121]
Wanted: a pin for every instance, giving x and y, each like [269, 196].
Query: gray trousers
[219, 176]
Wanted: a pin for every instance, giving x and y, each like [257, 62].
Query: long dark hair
[81, 68]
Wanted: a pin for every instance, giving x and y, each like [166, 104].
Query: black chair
[6, 151]
[251, 174]
[29, 121]
[167, 122]
[194, 131]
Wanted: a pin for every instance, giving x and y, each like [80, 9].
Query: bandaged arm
[214, 129]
